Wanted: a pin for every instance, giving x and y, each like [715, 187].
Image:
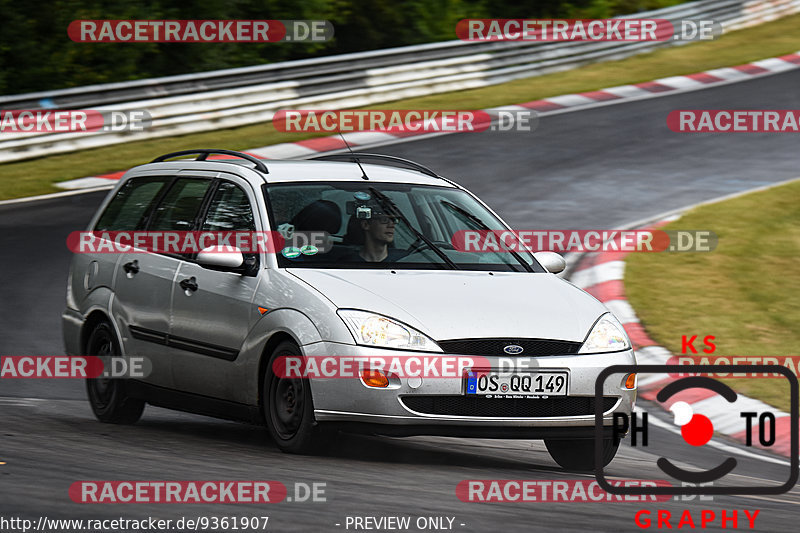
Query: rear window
[180, 206]
[132, 202]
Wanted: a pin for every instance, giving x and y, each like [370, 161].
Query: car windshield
[383, 225]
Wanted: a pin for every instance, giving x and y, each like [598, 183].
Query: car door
[143, 280]
[211, 322]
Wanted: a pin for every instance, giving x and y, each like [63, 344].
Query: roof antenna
[355, 158]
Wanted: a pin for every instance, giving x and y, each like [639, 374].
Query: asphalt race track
[597, 168]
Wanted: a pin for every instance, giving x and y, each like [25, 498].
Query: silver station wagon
[383, 280]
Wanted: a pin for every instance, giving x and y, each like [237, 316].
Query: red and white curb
[601, 275]
[547, 106]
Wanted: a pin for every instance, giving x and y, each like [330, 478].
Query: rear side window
[180, 206]
[127, 209]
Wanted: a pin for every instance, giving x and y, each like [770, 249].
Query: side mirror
[552, 261]
[221, 258]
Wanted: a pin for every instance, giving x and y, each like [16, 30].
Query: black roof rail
[378, 158]
[203, 153]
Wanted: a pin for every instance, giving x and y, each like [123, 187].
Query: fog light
[630, 381]
[374, 378]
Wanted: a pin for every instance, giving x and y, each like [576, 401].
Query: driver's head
[379, 229]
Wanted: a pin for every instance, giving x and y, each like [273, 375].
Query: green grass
[746, 292]
[776, 38]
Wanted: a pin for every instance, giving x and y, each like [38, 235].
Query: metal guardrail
[235, 97]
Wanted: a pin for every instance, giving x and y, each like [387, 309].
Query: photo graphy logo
[697, 429]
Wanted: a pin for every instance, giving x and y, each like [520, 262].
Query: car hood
[457, 305]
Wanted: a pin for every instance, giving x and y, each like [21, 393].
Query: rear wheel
[579, 454]
[108, 397]
[289, 409]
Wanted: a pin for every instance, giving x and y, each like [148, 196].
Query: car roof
[287, 171]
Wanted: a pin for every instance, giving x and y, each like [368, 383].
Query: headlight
[607, 335]
[370, 329]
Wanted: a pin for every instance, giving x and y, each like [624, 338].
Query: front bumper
[351, 402]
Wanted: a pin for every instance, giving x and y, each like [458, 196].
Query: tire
[108, 397]
[579, 454]
[288, 409]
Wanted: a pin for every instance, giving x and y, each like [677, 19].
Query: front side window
[229, 210]
[386, 225]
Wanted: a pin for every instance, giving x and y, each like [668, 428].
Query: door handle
[131, 267]
[189, 284]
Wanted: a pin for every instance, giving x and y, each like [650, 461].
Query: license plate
[491, 384]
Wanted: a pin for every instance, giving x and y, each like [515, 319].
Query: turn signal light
[374, 378]
[630, 381]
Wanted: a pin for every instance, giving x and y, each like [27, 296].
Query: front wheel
[108, 397]
[289, 409]
[579, 454]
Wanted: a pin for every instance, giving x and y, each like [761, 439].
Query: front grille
[494, 347]
[505, 407]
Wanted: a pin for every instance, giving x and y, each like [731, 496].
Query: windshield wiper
[389, 205]
[481, 225]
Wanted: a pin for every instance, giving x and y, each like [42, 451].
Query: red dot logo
[698, 431]
[695, 429]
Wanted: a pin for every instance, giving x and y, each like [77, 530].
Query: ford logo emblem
[513, 349]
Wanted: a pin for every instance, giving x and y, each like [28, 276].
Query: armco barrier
[236, 97]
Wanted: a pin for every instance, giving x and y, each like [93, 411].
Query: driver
[378, 235]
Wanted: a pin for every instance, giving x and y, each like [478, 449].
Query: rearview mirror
[221, 257]
[552, 261]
